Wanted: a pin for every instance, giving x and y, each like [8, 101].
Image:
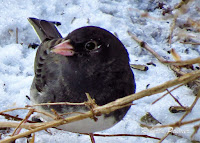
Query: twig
[17, 35]
[191, 107]
[177, 124]
[166, 135]
[177, 70]
[33, 139]
[196, 128]
[145, 46]
[172, 29]
[68, 113]
[57, 103]
[91, 105]
[27, 126]
[166, 94]
[190, 43]
[126, 135]
[14, 117]
[56, 114]
[110, 107]
[46, 114]
[92, 137]
[182, 3]
[175, 98]
[8, 110]
[23, 121]
[161, 59]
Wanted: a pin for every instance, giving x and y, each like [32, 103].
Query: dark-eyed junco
[89, 60]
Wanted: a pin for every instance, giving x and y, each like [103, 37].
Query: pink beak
[64, 48]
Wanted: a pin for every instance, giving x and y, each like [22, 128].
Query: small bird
[89, 60]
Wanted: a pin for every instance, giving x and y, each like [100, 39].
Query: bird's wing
[46, 30]
[49, 37]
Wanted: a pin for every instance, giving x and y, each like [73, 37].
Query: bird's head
[92, 42]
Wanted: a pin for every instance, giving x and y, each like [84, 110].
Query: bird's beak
[64, 48]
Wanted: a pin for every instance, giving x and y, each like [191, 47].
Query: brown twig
[9, 110]
[177, 124]
[23, 121]
[166, 135]
[27, 126]
[92, 137]
[172, 30]
[191, 107]
[33, 139]
[166, 94]
[182, 3]
[175, 98]
[14, 117]
[91, 105]
[17, 36]
[46, 114]
[190, 43]
[196, 128]
[161, 59]
[57, 103]
[58, 116]
[126, 135]
[69, 113]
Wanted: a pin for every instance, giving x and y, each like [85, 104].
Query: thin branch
[175, 98]
[126, 135]
[46, 114]
[17, 36]
[57, 103]
[166, 94]
[92, 137]
[23, 121]
[177, 124]
[9, 110]
[161, 59]
[166, 135]
[196, 128]
[27, 126]
[14, 117]
[190, 43]
[191, 107]
[69, 113]
[172, 30]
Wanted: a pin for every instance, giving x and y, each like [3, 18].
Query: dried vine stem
[17, 129]
[191, 107]
[177, 124]
[172, 30]
[27, 126]
[165, 136]
[126, 135]
[175, 98]
[9, 110]
[57, 103]
[161, 59]
[166, 94]
[8, 116]
[110, 107]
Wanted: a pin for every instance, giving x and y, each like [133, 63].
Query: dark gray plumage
[94, 62]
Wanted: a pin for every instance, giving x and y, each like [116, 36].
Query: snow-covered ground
[117, 16]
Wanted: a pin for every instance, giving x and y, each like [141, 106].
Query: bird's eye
[91, 45]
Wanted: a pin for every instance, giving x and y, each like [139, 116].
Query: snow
[16, 60]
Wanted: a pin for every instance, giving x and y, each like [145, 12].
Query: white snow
[16, 60]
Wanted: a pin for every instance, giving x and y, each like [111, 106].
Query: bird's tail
[45, 29]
